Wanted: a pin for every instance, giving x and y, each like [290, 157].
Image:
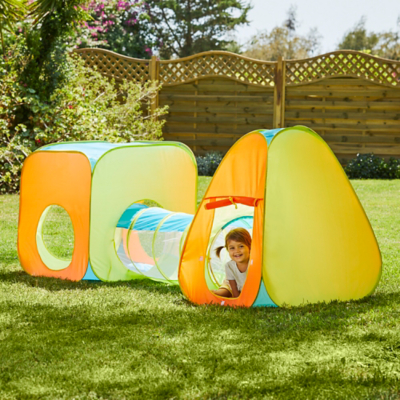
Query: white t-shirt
[233, 274]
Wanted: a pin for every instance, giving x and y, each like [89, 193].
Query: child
[238, 244]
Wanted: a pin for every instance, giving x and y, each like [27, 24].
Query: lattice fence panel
[115, 65]
[213, 64]
[343, 63]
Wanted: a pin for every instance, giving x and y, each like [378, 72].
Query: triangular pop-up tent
[312, 240]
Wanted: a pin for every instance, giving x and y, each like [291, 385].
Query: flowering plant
[118, 25]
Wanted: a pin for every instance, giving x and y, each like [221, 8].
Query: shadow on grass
[304, 319]
[153, 328]
[54, 284]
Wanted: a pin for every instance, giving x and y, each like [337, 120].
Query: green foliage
[87, 106]
[208, 164]
[144, 340]
[49, 39]
[47, 96]
[188, 27]
[359, 39]
[370, 166]
[11, 11]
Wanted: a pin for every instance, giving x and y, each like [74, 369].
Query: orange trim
[248, 201]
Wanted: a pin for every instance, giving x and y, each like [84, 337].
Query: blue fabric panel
[177, 223]
[263, 299]
[90, 276]
[149, 220]
[128, 215]
[92, 150]
[269, 134]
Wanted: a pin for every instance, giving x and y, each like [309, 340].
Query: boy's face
[238, 252]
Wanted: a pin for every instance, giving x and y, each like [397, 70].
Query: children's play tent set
[311, 239]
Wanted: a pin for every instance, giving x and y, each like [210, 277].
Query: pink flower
[122, 4]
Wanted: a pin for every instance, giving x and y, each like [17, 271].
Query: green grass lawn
[142, 339]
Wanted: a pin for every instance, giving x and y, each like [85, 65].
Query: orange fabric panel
[54, 178]
[242, 173]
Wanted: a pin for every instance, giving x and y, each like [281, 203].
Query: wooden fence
[350, 98]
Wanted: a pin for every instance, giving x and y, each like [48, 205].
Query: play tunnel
[149, 240]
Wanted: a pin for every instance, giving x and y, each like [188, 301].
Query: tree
[283, 41]
[359, 39]
[121, 26]
[49, 39]
[389, 45]
[186, 27]
[383, 44]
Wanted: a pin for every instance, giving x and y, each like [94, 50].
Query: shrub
[208, 164]
[370, 166]
[87, 106]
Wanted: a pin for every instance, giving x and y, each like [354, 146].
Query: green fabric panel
[165, 173]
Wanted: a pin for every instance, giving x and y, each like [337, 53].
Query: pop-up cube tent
[311, 239]
[97, 183]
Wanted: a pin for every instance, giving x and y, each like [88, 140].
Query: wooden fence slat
[384, 117]
[154, 76]
[222, 98]
[348, 93]
[294, 104]
[279, 94]
[220, 110]
[217, 119]
[175, 127]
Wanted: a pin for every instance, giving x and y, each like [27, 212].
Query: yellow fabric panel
[318, 243]
[54, 178]
[241, 173]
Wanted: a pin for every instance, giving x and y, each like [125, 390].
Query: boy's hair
[240, 235]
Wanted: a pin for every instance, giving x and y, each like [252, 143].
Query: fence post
[154, 76]
[279, 94]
